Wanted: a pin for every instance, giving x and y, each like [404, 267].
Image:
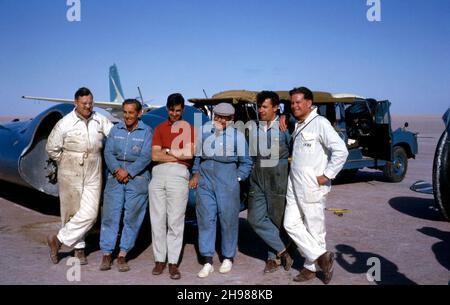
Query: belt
[81, 155]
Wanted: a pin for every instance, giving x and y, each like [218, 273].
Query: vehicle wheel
[441, 175]
[395, 171]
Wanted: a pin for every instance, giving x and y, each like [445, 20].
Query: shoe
[226, 266]
[271, 266]
[206, 270]
[54, 244]
[79, 253]
[159, 268]
[122, 264]
[174, 272]
[305, 275]
[325, 262]
[286, 260]
[106, 262]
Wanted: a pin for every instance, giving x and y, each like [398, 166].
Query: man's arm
[107, 126]
[110, 159]
[186, 139]
[55, 141]
[160, 155]
[185, 153]
[333, 142]
[245, 161]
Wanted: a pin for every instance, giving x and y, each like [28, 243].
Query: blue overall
[132, 152]
[218, 194]
[268, 186]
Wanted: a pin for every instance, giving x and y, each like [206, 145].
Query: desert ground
[387, 223]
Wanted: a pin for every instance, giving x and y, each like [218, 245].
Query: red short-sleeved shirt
[174, 135]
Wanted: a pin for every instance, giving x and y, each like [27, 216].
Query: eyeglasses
[87, 105]
[223, 117]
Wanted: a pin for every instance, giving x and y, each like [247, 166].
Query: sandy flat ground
[388, 224]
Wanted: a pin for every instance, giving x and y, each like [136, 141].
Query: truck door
[382, 133]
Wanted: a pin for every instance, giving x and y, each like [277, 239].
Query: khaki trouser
[168, 196]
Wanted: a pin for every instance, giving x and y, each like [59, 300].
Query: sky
[189, 45]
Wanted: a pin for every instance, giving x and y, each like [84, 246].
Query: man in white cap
[218, 168]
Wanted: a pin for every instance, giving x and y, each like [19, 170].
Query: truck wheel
[441, 175]
[395, 171]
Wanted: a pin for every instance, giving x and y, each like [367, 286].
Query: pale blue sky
[216, 45]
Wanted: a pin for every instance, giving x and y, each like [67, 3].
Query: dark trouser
[267, 201]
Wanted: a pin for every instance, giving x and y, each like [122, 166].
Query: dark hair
[307, 94]
[263, 95]
[136, 103]
[83, 91]
[175, 99]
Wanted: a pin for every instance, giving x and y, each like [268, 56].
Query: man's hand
[185, 153]
[322, 180]
[283, 122]
[121, 175]
[193, 183]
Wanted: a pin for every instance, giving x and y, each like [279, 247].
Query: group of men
[285, 204]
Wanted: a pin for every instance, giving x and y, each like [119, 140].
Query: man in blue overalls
[268, 181]
[223, 162]
[127, 155]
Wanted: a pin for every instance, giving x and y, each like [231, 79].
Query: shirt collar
[77, 118]
[269, 125]
[140, 125]
[170, 122]
[310, 116]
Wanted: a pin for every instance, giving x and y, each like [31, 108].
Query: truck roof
[246, 96]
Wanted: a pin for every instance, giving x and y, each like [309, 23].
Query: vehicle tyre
[395, 171]
[441, 175]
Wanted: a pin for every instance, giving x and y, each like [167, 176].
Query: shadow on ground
[422, 208]
[29, 198]
[249, 243]
[346, 177]
[357, 262]
[441, 249]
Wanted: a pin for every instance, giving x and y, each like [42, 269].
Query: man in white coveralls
[76, 144]
[317, 157]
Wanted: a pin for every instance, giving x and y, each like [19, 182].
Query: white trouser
[305, 224]
[79, 192]
[168, 196]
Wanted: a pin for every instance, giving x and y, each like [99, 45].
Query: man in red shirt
[172, 149]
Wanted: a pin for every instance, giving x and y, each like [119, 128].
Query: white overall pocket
[312, 191]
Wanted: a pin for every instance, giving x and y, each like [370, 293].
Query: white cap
[224, 109]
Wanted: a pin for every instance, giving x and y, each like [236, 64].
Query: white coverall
[76, 146]
[318, 150]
